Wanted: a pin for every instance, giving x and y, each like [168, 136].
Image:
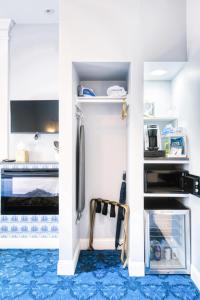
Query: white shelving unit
[162, 121]
[164, 187]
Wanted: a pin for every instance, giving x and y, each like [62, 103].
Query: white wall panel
[34, 76]
[164, 28]
[186, 91]
[5, 28]
[193, 33]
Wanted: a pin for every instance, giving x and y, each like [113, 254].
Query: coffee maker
[152, 141]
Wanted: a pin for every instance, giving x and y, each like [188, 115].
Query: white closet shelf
[166, 195]
[175, 161]
[100, 99]
[160, 119]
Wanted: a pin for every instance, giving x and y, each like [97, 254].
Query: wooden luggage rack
[94, 203]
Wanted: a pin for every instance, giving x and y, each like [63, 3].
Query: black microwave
[170, 181]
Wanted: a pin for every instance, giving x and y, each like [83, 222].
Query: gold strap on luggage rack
[93, 205]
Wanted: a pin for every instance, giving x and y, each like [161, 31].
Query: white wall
[5, 28]
[193, 34]
[34, 76]
[159, 92]
[186, 91]
[105, 134]
[164, 28]
[41, 150]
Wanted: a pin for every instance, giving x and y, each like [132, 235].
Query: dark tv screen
[34, 116]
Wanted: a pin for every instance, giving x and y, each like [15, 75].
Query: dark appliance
[154, 153]
[170, 181]
[29, 191]
[34, 116]
[152, 135]
[152, 144]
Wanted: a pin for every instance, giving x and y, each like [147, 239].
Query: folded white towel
[116, 91]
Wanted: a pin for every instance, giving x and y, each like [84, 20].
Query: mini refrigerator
[167, 237]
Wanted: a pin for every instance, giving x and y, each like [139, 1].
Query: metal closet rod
[124, 112]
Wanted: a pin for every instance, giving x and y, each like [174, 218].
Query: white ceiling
[172, 68]
[29, 11]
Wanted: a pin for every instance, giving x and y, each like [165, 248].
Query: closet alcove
[105, 142]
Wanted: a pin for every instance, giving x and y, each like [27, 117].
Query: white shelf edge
[167, 161]
[100, 99]
[161, 119]
[167, 195]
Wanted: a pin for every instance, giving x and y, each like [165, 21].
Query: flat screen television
[34, 116]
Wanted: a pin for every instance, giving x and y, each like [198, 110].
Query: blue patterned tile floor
[31, 274]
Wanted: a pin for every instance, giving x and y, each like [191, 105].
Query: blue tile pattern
[29, 226]
[31, 274]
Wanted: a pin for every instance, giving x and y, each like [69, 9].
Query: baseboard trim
[136, 268]
[53, 243]
[99, 244]
[29, 243]
[195, 276]
[68, 267]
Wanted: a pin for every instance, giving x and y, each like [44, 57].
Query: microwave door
[191, 184]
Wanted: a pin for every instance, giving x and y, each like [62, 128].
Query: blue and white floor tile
[31, 274]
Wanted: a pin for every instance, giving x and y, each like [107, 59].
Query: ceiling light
[159, 72]
[49, 11]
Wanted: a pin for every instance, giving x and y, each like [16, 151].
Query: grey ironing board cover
[80, 170]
